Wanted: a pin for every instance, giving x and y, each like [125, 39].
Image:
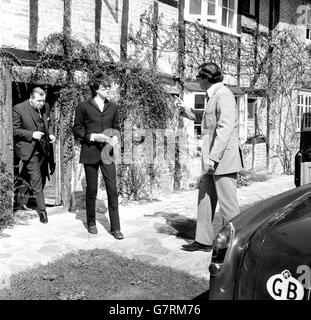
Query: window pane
[197, 130]
[224, 17]
[211, 9]
[308, 35]
[230, 22]
[252, 7]
[231, 4]
[195, 6]
[250, 110]
[225, 3]
[199, 101]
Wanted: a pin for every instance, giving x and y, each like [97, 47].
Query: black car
[265, 252]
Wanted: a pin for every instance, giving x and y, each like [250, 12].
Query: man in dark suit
[32, 144]
[96, 125]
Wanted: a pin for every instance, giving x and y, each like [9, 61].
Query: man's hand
[179, 104]
[37, 135]
[112, 141]
[100, 137]
[210, 167]
[52, 138]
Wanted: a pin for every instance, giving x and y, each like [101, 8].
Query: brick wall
[259, 155]
[83, 19]
[264, 15]
[167, 61]
[50, 18]
[15, 23]
[111, 24]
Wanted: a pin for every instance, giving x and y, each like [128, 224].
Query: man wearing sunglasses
[96, 126]
[221, 154]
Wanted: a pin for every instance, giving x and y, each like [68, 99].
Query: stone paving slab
[153, 232]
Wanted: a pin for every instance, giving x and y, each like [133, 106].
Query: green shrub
[6, 196]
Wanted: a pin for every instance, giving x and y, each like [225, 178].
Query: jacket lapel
[94, 104]
[106, 106]
[211, 98]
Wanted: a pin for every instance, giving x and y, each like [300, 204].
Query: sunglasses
[105, 86]
[200, 76]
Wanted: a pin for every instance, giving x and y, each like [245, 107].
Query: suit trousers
[213, 188]
[34, 173]
[109, 175]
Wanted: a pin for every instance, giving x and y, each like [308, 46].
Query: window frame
[196, 125]
[205, 19]
[242, 9]
[303, 105]
[308, 24]
[253, 102]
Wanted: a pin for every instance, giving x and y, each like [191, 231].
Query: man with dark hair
[96, 125]
[32, 145]
[221, 154]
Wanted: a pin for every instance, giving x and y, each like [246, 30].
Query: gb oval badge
[285, 287]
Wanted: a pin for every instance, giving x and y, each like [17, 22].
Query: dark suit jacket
[89, 119]
[24, 124]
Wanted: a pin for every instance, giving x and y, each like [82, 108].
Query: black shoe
[117, 234]
[43, 216]
[197, 246]
[92, 229]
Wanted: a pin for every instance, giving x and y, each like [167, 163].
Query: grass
[101, 275]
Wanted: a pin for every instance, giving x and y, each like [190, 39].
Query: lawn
[101, 275]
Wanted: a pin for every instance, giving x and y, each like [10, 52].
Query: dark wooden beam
[155, 18]
[67, 18]
[33, 24]
[98, 20]
[181, 38]
[124, 31]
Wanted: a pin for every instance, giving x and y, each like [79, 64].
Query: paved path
[154, 232]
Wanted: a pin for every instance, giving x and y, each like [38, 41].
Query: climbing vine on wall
[71, 64]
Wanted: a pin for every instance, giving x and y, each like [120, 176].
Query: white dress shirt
[100, 103]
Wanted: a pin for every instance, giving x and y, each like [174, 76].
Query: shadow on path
[175, 224]
[100, 218]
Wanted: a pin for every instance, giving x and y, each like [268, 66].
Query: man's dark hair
[210, 71]
[38, 90]
[99, 78]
